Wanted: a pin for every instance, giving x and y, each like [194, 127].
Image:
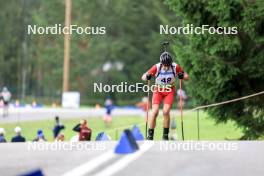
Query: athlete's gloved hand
[148, 76]
[181, 75]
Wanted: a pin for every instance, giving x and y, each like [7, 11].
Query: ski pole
[147, 114]
[181, 109]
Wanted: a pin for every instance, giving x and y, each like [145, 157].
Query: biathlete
[165, 73]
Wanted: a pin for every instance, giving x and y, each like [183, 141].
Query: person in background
[60, 138]
[40, 136]
[143, 105]
[85, 133]
[18, 137]
[57, 128]
[2, 135]
[6, 97]
[173, 127]
[109, 107]
[184, 98]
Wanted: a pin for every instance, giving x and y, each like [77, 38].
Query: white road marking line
[123, 162]
[91, 165]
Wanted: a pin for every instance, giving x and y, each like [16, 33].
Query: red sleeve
[153, 70]
[178, 69]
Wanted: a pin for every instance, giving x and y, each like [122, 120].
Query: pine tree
[224, 67]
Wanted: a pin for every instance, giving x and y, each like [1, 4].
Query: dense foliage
[32, 65]
[224, 67]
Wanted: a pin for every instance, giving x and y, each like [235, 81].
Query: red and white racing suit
[165, 89]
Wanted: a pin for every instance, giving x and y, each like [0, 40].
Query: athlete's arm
[150, 73]
[77, 128]
[144, 77]
[185, 76]
[181, 74]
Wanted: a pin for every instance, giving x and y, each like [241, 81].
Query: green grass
[208, 129]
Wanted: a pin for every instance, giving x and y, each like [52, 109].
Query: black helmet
[166, 58]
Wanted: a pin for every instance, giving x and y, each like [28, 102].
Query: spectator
[18, 137]
[173, 134]
[109, 107]
[40, 136]
[2, 135]
[6, 97]
[144, 106]
[60, 138]
[58, 127]
[74, 138]
[184, 98]
[85, 133]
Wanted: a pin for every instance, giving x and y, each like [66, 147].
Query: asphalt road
[32, 114]
[154, 159]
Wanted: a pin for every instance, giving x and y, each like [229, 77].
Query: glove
[148, 77]
[181, 75]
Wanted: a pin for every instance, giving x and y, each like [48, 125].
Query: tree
[10, 51]
[132, 39]
[224, 67]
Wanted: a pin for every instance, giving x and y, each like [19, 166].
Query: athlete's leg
[154, 115]
[166, 115]
[166, 121]
[152, 121]
[168, 101]
[156, 100]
